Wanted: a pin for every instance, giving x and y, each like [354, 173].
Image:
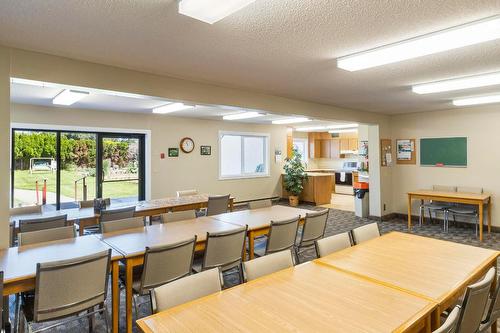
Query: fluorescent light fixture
[477, 100]
[307, 129]
[68, 97]
[468, 82]
[173, 107]
[290, 121]
[343, 126]
[464, 35]
[211, 11]
[244, 115]
[351, 130]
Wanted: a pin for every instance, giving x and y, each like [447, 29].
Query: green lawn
[26, 181]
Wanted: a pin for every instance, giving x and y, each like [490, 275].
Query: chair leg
[446, 221]
[91, 319]
[430, 215]
[17, 310]
[136, 308]
[421, 216]
[240, 270]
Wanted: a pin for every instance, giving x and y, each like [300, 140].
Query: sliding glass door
[58, 169]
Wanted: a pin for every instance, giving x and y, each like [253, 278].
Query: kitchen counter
[317, 188]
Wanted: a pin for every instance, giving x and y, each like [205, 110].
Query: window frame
[244, 175]
[305, 157]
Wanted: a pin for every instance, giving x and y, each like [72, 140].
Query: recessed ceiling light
[68, 97]
[477, 100]
[173, 107]
[211, 11]
[468, 34]
[468, 82]
[244, 115]
[290, 121]
[351, 130]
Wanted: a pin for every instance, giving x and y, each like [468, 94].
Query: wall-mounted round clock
[187, 145]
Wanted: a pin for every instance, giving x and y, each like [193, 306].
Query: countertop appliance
[343, 178]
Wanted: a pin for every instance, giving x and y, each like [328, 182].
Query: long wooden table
[307, 298]
[432, 269]
[455, 197]
[259, 220]
[19, 264]
[132, 244]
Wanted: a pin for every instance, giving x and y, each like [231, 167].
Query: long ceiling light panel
[211, 11]
[464, 35]
[477, 100]
[290, 121]
[244, 115]
[173, 107]
[68, 97]
[468, 82]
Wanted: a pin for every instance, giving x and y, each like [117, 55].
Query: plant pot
[294, 200]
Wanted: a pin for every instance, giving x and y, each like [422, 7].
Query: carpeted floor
[339, 221]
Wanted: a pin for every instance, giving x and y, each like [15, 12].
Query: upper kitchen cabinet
[335, 148]
[322, 145]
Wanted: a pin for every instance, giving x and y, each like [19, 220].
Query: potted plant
[294, 176]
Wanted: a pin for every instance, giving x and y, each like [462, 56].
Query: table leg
[409, 211]
[481, 218]
[231, 205]
[436, 318]
[80, 228]
[489, 215]
[115, 296]
[251, 245]
[428, 325]
[128, 294]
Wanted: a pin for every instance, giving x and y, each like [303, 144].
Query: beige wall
[4, 139]
[172, 174]
[479, 125]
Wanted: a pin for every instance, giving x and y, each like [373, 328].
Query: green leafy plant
[295, 173]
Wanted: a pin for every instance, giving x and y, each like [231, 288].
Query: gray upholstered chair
[331, 244]
[185, 193]
[267, 264]
[47, 235]
[178, 216]
[474, 304]
[282, 235]
[217, 204]
[313, 229]
[364, 233]
[225, 250]
[493, 310]
[37, 209]
[463, 209]
[123, 224]
[164, 264]
[186, 289]
[450, 325]
[43, 223]
[86, 204]
[117, 214]
[260, 204]
[66, 289]
[436, 206]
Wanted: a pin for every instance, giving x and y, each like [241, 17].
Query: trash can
[361, 199]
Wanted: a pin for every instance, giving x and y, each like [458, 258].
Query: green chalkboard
[450, 152]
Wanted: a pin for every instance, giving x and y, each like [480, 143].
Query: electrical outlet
[384, 207]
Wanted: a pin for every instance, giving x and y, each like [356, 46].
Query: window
[301, 146]
[243, 155]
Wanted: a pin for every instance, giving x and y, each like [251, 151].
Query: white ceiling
[281, 47]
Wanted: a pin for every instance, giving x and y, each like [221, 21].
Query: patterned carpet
[339, 221]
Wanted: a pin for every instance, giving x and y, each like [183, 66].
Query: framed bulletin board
[385, 152]
[406, 151]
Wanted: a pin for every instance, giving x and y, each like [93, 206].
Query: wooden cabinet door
[353, 144]
[325, 149]
[344, 144]
[335, 148]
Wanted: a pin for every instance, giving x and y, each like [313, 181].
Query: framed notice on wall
[406, 151]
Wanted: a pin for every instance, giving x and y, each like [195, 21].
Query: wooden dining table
[428, 268]
[19, 264]
[479, 200]
[306, 298]
[259, 220]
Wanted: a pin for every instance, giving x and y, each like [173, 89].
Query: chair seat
[436, 205]
[463, 210]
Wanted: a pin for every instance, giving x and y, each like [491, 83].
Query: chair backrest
[11, 234]
[1, 300]
[86, 204]
[364, 233]
[117, 214]
[217, 204]
[450, 325]
[260, 204]
[117, 225]
[70, 286]
[25, 210]
[224, 249]
[444, 188]
[328, 245]
[186, 289]
[474, 304]
[314, 227]
[494, 308]
[267, 264]
[166, 263]
[186, 193]
[47, 235]
[178, 216]
[469, 189]
[282, 235]
[43, 223]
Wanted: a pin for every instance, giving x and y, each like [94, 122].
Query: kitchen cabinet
[317, 188]
[353, 144]
[344, 144]
[322, 145]
[335, 148]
